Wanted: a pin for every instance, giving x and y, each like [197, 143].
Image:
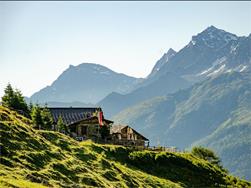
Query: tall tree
[61, 127]
[20, 102]
[37, 117]
[8, 97]
[47, 118]
[14, 100]
[206, 154]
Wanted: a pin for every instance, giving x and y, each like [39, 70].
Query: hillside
[232, 141]
[32, 158]
[115, 102]
[214, 113]
[86, 83]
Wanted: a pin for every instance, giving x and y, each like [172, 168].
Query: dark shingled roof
[91, 118]
[72, 115]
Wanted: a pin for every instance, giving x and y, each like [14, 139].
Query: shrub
[206, 154]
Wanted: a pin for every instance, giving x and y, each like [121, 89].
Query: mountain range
[86, 83]
[210, 53]
[200, 95]
[214, 111]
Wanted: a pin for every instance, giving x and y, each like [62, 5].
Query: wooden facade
[88, 128]
[127, 136]
[83, 123]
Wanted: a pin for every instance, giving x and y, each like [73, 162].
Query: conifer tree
[8, 98]
[20, 102]
[37, 117]
[30, 107]
[47, 118]
[61, 126]
[14, 100]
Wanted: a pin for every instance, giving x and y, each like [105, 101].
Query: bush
[206, 154]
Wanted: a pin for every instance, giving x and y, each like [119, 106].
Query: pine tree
[30, 107]
[47, 118]
[61, 127]
[8, 98]
[37, 117]
[20, 102]
[14, 100]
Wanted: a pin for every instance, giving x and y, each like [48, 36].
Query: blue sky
[39, 40]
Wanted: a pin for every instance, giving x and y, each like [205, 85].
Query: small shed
[127, 136]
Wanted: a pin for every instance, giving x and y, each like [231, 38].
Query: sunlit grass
[33, 158]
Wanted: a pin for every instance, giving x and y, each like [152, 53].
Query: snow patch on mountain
[243, 68]
[215, 66]
[233, 48]
[217, 71]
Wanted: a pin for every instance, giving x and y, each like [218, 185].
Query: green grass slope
[214, 113]
[33, 158]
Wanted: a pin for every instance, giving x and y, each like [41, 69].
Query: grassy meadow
[39, 158]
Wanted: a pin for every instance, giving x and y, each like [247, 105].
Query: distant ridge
[86, 83]
[209, 53]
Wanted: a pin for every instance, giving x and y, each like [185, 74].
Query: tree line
[40, 116]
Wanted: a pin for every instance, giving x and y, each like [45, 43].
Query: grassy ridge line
[33, 158]
[53, 159]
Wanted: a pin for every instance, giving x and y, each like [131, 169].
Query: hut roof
[71, 115]
[93, 118]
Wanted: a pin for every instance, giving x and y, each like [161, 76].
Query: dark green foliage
[63, 169]
[6, 161]
[39, 178]
[61, 127]
[41, 117]
[177, 168]
[90, 181]
[104, 131]
[37, 117]
[14, 100]
[129, 181]
[110, 175]
[206, 154]
[47, 118]
[38, 160]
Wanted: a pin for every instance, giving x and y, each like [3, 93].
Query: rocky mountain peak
[171, 52]
[213, 37]
[162, 61]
